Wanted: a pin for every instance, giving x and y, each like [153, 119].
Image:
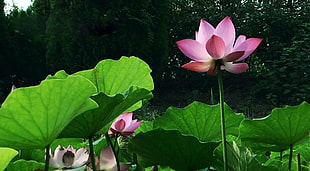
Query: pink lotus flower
[69, 157]
[108, 161]
[124, 125]
[217, 47]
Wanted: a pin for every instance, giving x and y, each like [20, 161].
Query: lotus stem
[221, 92]
[298, 162]
[281, 156]
[114, 152]
[290, 158]
[212, 96]
[91, 153]
[47, 157]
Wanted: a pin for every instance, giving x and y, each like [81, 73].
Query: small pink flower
[217, 47]
[69, 157]
[108, 161]
[124, 125]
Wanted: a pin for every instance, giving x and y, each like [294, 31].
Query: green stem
[115, 155]
[298, 162]
[91, 153]
[290, 158]
[212, 96]
[221, 92]
[281, 156]
[47, 158]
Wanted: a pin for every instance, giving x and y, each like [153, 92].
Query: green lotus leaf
[7, 154]
[25, 165]
[117, 76]
[122, 85]
[200, 120]
[171, 148]
[241, 159]
[33, 117]
[283, 128]
[145, 127]
[110, 107]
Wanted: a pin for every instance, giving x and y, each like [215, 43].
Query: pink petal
[13, 87]
[233, 56]
[107, 159]
[120, 125]
[248, 46]
[70, 148]
[81, 158]
[226, 30]
[132, 127]
[198, 66]
[240, 40]
[123, 167]
[193, 49]
[205, 31]
[235, 68]
[216, 47]
[56, 159]
[127, 117]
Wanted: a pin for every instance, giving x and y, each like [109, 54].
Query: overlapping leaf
[200, 120]
[121, 85]
[33, 117]
[278, 131]
[241, 159]
[7, 154]
[171, 148]
[25, 165]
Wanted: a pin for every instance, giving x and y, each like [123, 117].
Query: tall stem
[290, 158]
[298, 162]
[114, 152]
[47, 158]
[221, 92]
[91, 153]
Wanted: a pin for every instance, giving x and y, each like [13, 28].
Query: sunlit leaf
[121, 84]
[25, 165]
[278, 131]
[7, 154]
[200, 120]
[117, 76]
[33, 117]
[110, 107]
[171, 148]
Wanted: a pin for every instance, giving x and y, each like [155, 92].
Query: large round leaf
[171, 148]
[7, 155]
[33, 117]
[90, 122]
[121, 84]
[117, 76]
[200, 120]
[278, 131]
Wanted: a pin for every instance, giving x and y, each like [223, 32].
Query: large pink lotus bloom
[124, 125]
[217, 47]
[69, 157]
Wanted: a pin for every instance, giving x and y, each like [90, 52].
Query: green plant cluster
[64, 109]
